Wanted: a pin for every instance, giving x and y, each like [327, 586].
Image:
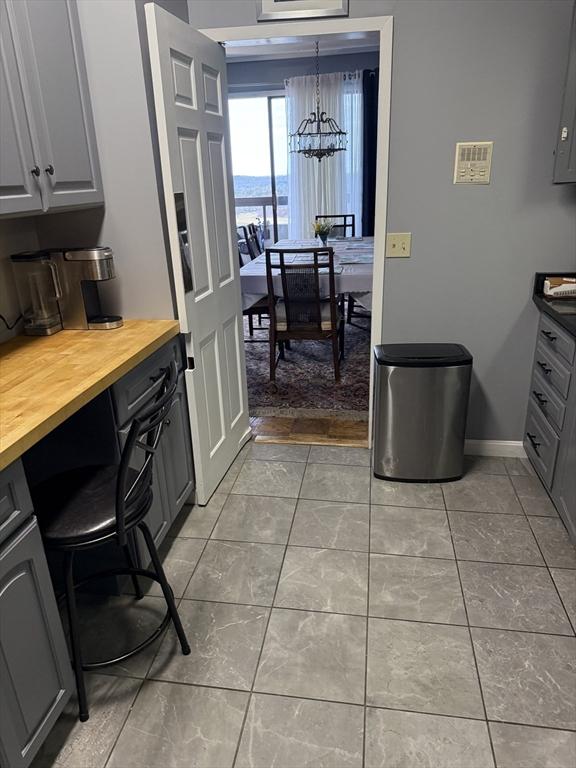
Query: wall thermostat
[473, 162]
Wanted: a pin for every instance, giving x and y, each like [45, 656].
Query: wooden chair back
[344, 223]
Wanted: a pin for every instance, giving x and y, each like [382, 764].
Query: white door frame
[384, 26]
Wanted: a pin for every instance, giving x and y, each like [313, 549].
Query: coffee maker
[58, 288]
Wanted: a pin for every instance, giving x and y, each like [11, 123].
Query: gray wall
[270, 75]
[469, 71]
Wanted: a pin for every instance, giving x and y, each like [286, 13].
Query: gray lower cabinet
[48, 143]
[550, 433]
[35, 670]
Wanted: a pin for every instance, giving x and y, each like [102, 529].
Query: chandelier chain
[317, 80]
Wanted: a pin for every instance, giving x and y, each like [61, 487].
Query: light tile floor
[340, 621]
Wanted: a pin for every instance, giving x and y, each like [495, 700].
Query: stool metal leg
[166, 588]
[131, 564]
[75, 637]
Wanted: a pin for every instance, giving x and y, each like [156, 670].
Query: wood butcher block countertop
[45, 379]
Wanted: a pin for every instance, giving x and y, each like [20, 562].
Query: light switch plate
[398, 245]
[473, 162]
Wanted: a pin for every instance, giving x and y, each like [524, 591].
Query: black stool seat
[79, 507]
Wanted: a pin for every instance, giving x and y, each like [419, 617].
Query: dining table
[353, 268]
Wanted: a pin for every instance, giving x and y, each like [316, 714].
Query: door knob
[35, 171]
[50, 170]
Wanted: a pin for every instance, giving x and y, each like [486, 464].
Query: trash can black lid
[422, 355]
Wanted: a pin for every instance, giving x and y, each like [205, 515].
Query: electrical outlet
[398, 244]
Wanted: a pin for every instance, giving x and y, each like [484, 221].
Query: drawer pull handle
[549, 335]
[547, 370]
[540, 397]
[535, 444]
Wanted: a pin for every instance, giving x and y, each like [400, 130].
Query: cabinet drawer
[541, 444]
[549, 365]
[548, 402]
[142, 383]
[15, 501]
[556, 339]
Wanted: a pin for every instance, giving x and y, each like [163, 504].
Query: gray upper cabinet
[565, 161]
[19, 156]
[35, 670]
[50, 70]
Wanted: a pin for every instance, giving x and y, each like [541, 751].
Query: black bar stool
[90, 506]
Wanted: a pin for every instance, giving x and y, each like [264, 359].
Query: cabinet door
[19, 187]
[34, 665]
[56, 74]
[565, 161]
[177, 452]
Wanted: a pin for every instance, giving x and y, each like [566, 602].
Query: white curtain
[333, 185]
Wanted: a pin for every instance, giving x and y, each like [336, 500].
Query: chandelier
[318, 135]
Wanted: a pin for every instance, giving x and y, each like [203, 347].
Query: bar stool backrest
[144, 434]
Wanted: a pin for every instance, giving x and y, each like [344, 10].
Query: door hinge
[564, 133]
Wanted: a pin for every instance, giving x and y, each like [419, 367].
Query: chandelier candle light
[318, 135]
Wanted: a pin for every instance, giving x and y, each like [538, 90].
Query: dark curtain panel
[370, 110]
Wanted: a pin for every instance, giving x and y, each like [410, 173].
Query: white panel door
[189, 76]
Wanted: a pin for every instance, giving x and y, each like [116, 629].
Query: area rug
[305, 379]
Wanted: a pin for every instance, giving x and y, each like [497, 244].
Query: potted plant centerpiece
[322, 229]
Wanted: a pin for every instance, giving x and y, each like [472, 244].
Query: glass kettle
[38, 289]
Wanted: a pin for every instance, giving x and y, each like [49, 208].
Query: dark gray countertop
[563, 311]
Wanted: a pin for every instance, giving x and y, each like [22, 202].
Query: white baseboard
[508, 448]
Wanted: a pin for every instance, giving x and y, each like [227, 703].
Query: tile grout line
[550, 576]
[270, 609]
[480, 688]
[365, 713]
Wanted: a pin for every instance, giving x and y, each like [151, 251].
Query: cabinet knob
[50, 170]
[35, 171]
[540, 397]
[547, 370]
[535, 444]
[167, 422]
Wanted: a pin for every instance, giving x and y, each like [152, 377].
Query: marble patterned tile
[522, 746]
[527, 678]
[395, 494]
[234, 470]
[408, 531]
[255, 518]
[334, 454]
[416, 588]
[422, 667]
[533, 496]
[331, 524]
[313, 655]
[412, 740]
[323, 580]
[331, 482]
[565, 581]
[512, 597]
[552, 536]
[494, 538]
[179, 558]
[180, 726]
[488, 465]
[284, 732]
[515, 466]
[270, 478]
[197, 522]
[482, 493]
[72, 744]
[133, 620]
[225, 642]
[277, 452]
[237, 572]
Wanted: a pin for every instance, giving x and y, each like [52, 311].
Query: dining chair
[344, 224]
[302, 301]
[92, 506]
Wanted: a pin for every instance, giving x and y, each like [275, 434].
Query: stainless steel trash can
[420, 404]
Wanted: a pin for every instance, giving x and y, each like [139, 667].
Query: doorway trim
[384, 26]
